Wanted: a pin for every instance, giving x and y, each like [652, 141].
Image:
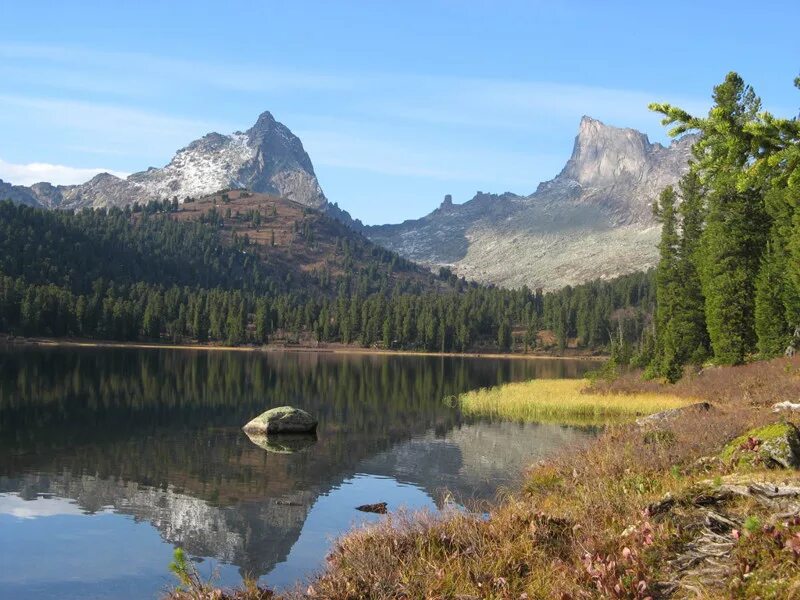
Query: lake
[111, 458]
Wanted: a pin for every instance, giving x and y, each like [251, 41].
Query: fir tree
[733, 239]
[668, 360]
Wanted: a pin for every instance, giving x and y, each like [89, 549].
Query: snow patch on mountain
[267, 158]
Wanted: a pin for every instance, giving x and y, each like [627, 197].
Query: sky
[397, 103]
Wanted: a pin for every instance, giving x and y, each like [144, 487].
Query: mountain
[266, 158]
[594, 219]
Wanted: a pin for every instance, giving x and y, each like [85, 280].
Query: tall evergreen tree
[668, 359]
[736, 223]
[691, 328]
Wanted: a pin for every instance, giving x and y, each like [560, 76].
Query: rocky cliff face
[266, 158]
[594, 219]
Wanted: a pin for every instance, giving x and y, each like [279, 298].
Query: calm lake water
[110, 458]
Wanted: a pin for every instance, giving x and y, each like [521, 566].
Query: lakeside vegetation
[674, 511]
[593, 523]
[568, 401]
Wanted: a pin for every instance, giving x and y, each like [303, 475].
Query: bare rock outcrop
[594, 219]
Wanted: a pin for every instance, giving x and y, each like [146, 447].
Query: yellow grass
[564, 401]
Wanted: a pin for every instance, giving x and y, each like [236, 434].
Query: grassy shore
[326, 348]
[569, 401]
[687, 510]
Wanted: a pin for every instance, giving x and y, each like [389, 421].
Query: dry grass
[758, 384]
[564, 536]
[568, 401]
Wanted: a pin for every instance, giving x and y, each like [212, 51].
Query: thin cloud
[444, 128]
[345, 149]
[149, 70]
[108, 119]
[518, 105]
[31, 173]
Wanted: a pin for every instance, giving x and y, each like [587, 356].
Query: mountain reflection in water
[131, 438]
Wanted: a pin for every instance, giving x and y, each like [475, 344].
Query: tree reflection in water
[156, 434]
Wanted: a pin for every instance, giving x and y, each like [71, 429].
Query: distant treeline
[136, 276]
[728, 281]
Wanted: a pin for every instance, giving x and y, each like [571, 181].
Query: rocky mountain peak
[101, 178]
[265, 122]
[266, 158]
[603, 154]
[276, 145]
[594, 219]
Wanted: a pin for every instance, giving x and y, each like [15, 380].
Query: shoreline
[267, 349]
[630, 515]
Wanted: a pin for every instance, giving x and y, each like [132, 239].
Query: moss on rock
[773, 445]
[283, 419]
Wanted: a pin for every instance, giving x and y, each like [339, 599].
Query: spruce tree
[735, 233]
[770, 322]
[692, 329]
[667, 361]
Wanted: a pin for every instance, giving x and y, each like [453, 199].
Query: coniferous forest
[728, 280]
[727, 286]
[137, 274]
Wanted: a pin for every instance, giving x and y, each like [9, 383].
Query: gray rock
[784, 449]
[772, 445]
[663, 418]
[268, 158]
[283, 419]
[594, 219]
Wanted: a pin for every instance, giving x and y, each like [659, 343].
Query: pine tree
[734, 237]
[504, 335]
[770, 323]
[667, 361]
[262, 321]
[691, 330]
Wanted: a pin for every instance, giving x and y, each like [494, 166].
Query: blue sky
[397, 103]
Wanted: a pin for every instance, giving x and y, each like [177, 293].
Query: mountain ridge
[267, 158]
[594, 218]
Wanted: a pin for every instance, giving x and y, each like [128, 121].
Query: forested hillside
[243, 268]
[728, 281]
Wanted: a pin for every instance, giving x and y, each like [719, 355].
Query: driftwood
[705, 560]
[379, 508]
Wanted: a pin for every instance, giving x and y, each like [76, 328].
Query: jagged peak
[594, 128]
[104, 178]
[603, 152]
[264, 124]
[265, 117]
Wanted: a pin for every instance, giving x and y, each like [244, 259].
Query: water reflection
[152, 436]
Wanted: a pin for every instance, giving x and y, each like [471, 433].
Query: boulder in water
[284, 419]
